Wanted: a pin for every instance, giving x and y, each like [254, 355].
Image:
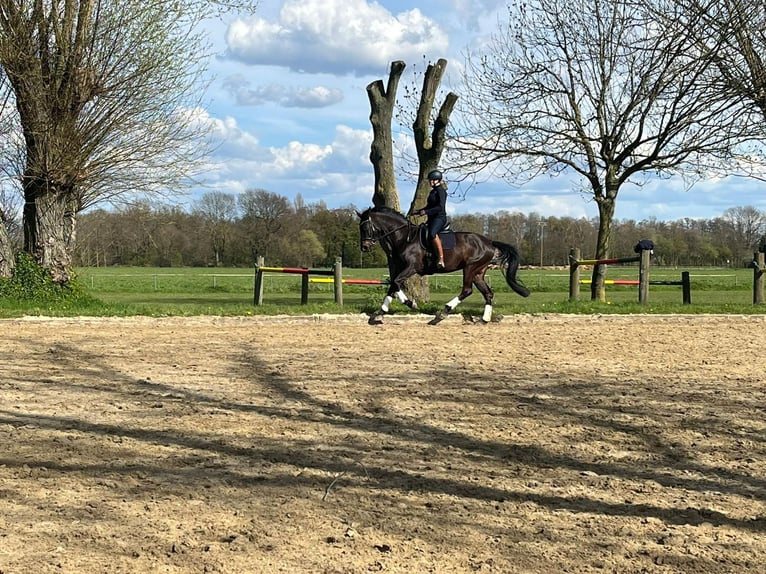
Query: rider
[436, 210]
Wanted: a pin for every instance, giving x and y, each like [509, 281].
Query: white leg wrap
[453, 303]
[401, 296]
[487, 317]
[386, 302]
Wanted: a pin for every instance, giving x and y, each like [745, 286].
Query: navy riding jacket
[436, 209]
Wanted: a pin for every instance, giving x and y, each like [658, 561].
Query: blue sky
[290, 113]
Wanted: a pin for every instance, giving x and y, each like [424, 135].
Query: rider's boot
[439, 252]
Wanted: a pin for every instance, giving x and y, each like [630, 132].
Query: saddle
[447, 235]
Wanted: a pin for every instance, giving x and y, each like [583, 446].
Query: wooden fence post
[258, 287]
[758, 263]
[338, 280]
[574, 274]
[643, 276]
[305, 288]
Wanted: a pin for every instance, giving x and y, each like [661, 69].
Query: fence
[643, 282]
[334, 275]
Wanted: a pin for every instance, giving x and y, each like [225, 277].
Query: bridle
[375, 236]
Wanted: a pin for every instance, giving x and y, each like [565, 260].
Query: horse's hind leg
[453, 303]
[488, 294]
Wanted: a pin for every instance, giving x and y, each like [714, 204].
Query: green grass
[125, 291]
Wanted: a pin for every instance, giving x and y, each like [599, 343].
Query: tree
[748, 226]
[217, 210]
[429, 143]
[307, 249]
[264, 214]
[382, 101]
[732, 35]
[8, 223]
[104, 93]
[600, 90]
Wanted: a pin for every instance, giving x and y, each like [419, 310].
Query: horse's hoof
[375, 320]
[437, 319]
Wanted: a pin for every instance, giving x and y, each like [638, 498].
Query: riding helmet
[435, 174]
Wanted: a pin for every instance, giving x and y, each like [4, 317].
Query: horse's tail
[508, 257]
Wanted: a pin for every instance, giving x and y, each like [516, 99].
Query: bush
[30, 283]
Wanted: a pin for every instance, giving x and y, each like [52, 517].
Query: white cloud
[351, 150]
[285, 96]
[337, 37]
[476, 14]
[299, 158]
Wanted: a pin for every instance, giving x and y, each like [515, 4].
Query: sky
[288, 104]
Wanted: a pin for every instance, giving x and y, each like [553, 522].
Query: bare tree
[264, 214]
[9, 223]
[748, 225]
[218, 211]
[599, 90]
[8, 201]
[731, 34]
[104, 93]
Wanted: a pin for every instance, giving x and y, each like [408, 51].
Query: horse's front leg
[395, 290]
[399, 294]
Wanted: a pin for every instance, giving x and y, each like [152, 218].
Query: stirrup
[440, 264]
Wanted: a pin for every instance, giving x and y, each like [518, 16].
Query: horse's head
[367, 232]
[378, 223]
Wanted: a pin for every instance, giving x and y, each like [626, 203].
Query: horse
[404, 247]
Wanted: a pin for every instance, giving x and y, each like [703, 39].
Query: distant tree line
[231, 231]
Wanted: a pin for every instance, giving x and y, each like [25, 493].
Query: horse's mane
[386, 210]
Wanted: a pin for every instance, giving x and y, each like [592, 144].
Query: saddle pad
[448, 239]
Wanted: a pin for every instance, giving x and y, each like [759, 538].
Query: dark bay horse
[473, 253]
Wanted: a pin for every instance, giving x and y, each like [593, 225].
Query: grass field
[193, 291]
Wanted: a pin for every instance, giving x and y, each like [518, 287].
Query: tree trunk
[430, 145]
[7, 260]
[49, 229]
[606, 213]
[382, 102]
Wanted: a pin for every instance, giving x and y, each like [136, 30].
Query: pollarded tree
[599, 90]
[104, 94]
[429, 129]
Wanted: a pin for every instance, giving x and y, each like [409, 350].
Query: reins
[387, 233]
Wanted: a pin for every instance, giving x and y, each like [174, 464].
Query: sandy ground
[540, 444]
